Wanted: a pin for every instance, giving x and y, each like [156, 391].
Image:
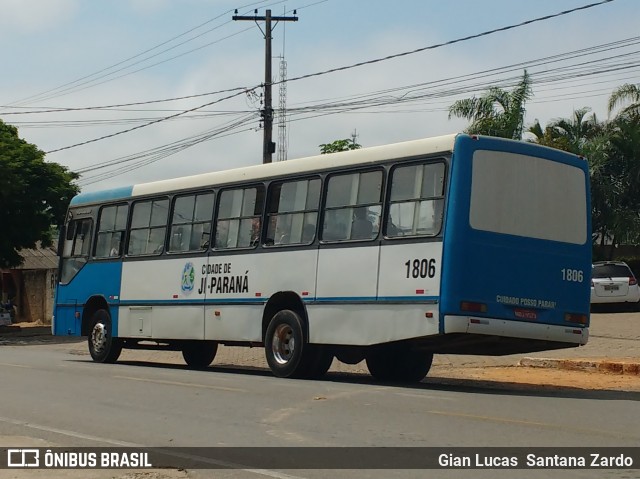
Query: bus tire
[414, 366]
[351, 356]
[103, 347]
[287, 353]
[321, 361]
[199, 354]
[398, 363]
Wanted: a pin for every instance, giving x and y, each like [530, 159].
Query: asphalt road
[52, 395]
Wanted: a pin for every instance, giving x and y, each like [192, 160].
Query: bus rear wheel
[199, 354]
[320, 362]
[399, 363]
[287, 353]
[103, 347]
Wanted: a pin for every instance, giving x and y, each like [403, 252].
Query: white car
[613, 282]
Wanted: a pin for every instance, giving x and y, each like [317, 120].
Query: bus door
[347, 276]
[411, 255]
[70, 293]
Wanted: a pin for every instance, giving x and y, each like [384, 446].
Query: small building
[32, 285]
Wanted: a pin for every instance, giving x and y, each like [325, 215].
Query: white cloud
[98, 41]
[148, 6]
[35, 15]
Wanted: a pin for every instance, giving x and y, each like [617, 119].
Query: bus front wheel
[287, 353]
[199, 354]
[103, 347]
[398, 363]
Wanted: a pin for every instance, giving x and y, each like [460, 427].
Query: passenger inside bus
[308, 233]
[361, 228]
[115, 247]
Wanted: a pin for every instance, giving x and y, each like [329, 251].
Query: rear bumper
[515, 329]
[633, 296]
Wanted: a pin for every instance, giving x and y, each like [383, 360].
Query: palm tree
[623, 94]
[568, 134]
[548, 136]
[497, 112]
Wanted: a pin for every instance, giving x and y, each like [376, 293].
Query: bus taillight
[576, 318]
[473, 307]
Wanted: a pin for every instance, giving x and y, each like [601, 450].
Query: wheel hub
[99, 337]
[283, 344]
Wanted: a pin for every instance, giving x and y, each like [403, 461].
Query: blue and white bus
[456, 244]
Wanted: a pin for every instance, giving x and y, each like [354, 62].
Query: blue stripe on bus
[410, 299]
[178, 302]
[100, 196]
[339, 299]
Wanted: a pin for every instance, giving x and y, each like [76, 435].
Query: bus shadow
[231, 369]
[444, 384]
[498, 388]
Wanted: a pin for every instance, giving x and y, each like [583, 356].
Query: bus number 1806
[421, 268]
[574, 275]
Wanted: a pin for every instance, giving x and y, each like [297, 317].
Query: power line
[116, 106]
[149, 123]
[475, 75]
[451, 42]
[331, 70]
[42, 94]
[389, 57]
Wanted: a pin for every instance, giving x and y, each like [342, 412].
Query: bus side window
[293, 212]
[112, 224]
[191, 223]
[148, 227]
[76, 248]
[238, 222]
[353, 206]
[416, 201]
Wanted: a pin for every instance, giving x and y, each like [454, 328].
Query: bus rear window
[528, 196]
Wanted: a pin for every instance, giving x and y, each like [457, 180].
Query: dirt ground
[519, 376]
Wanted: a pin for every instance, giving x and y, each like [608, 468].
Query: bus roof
[292, 167]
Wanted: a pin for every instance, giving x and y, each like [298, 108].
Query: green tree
[497, 112]
[627, 93]
[339, 145]
[568, 134]
[624, 161]
[548, 136]
[34, 195]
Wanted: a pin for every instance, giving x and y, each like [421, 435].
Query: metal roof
[39, 258]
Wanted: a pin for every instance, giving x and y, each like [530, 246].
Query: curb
[625, 367]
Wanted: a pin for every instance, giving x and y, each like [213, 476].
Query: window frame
[325, 195]
[171, 224]
[388, 203]
[131, 229]
[216, 217]
[78, 260]
[124, 232]
[268, 216]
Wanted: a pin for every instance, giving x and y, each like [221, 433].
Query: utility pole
[268, 147]
[282, 109]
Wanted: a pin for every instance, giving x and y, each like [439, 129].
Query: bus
[457, 244]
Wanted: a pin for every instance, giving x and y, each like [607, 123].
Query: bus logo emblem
[188, 278]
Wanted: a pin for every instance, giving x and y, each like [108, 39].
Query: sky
[76, 55]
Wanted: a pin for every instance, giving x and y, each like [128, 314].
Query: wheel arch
[285, 300]
[92, 305]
